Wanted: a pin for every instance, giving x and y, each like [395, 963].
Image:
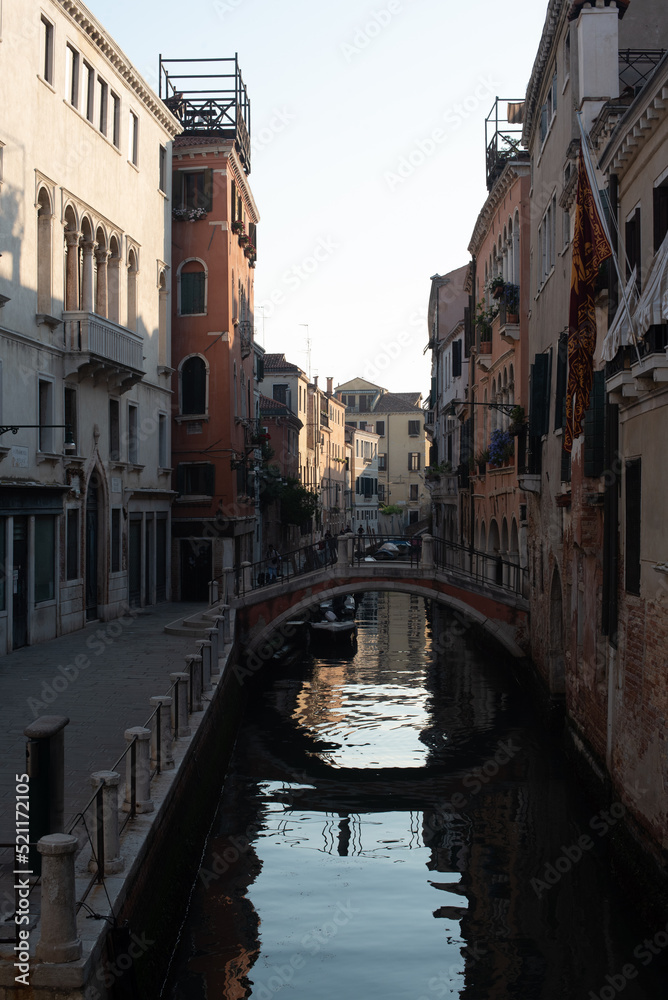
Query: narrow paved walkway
[109, 672]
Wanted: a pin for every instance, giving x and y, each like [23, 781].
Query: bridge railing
[365, 546]
[483, 567]
[279, 568]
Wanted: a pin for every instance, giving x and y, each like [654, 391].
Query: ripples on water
[385, 813]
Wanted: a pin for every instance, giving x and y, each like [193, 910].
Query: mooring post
[58, 940]
[180, 726]
[161, 733]
[138, 771]
[45, 767]
[194, 669]
[206, 664]
[104, 825]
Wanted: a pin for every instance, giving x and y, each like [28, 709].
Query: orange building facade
[498, 376]
[215, 431]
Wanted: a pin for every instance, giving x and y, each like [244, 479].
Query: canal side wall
[161, 851]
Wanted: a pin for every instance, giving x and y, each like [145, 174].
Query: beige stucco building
[84, 326]
[399, 421]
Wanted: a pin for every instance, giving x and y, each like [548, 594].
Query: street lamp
[69, 444]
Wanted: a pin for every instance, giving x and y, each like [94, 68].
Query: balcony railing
[103, 340]
[245, 329]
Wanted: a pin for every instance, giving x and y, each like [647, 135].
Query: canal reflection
[396, 824]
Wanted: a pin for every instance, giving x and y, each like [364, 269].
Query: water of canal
[396, 824]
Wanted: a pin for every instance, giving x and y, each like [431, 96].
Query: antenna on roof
[308, 350]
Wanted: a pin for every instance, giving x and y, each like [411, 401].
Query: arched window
[192, 288]
[193, 386]
[72, 237]
[44, 252]
[132, 290]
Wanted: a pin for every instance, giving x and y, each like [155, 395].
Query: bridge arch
[258, 644]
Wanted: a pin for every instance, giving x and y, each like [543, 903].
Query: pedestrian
[273, 559]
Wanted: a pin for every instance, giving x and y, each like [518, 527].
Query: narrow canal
[396, 824]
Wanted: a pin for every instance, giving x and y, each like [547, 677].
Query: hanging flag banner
[590, 249]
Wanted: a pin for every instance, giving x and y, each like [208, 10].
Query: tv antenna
[308, 350]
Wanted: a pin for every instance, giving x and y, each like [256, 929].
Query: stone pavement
[121, 664]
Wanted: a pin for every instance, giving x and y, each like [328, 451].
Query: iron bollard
[45, 766]
[138, 771]
[180, 726]
[161, 734]
[58, 940]
[106, 859]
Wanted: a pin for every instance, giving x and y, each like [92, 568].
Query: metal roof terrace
[209, 98]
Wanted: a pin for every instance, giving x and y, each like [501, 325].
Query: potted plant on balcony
[237, 227]
[244, 239]
[481, 460]
[484, 318]
[496, 287]
[250, 251]
[189, 214]
[501, 448]
[511, 297]
[517, 416]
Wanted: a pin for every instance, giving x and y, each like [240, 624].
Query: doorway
[20, 583]
[196, 569]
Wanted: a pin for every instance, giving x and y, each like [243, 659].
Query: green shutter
[562, 381]
[594, 428]
[539, 404]
[210, 480]
[456, 358]
[207, 203]
[233, 201]
[177, 193]
[192, 292]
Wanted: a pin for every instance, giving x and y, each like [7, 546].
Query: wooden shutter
[260, 369]
[562, 381]
[468, 331]
[252, 233]
[233, 201]
[660, 215]
[181, 478]
[539, 403]
[594, 427]
[207, 194]
[456, 358]
[209, 479]
[177, 190]
[633, 526]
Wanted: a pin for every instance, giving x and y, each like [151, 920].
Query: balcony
[651, 372]
[245, 330]
[103, 351]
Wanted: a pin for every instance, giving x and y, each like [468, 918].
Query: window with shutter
[633, 526]
[380, 427]
[543, 123]
[233, 201]
[632, 246]
[660, 214]
[193, 292]
[456, 358]
[413, 428]
[539, 404]
[594, 428]
[562, 381]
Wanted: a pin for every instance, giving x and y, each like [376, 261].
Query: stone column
[246, 578]
[111, 859]
[114, 289]
[164, 713]
[207, 652]
[87, 276]
[72, 237]
[58, 940]
[102, 257]
[212, 635]
[45, 765]
[344, 551]
[194, 670]
[427, 558]
[180, 703]
[142, 770]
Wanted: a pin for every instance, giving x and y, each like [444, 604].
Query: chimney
[315, 381]
[330, 386]
[598, 58]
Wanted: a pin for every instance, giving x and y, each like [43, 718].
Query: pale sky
[368, 147]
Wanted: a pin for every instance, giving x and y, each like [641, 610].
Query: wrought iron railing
[484, 568]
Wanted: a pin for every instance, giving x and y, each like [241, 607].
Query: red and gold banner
[590, 249]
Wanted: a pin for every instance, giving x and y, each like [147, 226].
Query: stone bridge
[497, 610]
